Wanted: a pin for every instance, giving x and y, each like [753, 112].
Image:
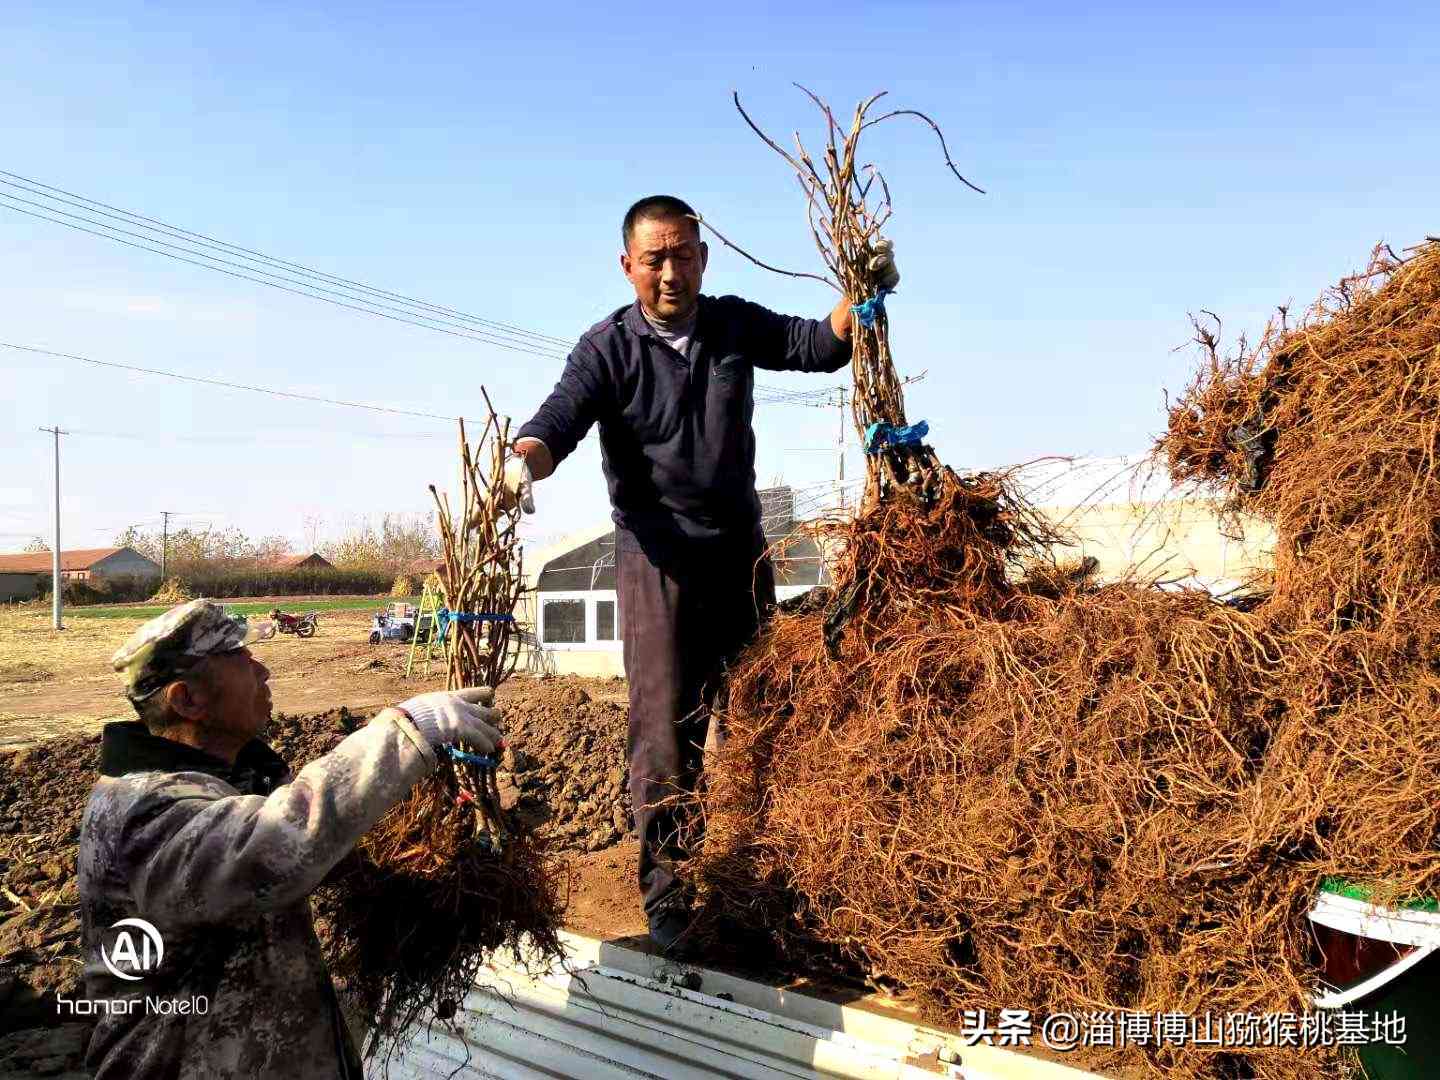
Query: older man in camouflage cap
[198, 828]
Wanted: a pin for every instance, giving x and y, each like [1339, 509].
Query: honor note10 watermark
[137, 951]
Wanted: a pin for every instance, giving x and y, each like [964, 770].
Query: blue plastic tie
[870, 310]
[882, 435]
[444, 617]
[482, 760]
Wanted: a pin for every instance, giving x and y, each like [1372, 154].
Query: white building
[1136, 523]
[571, 602]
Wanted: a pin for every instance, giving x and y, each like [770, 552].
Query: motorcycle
[299, 625]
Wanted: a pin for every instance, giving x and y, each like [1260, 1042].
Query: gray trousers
[682, 618]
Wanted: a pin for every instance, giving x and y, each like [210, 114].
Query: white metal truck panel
[614, 1013]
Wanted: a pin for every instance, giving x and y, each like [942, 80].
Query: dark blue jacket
[675, 434]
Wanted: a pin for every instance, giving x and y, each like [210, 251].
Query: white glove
[519, 485]
[464, 717]
[882, 265]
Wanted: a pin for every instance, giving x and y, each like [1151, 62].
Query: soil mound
[567, 764]
[303, 738]
[42, 796]
[564, 771]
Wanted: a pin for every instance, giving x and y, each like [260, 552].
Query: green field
[291, 606]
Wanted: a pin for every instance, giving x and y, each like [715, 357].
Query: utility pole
[840, 451]
[164, 543]
[57, 594]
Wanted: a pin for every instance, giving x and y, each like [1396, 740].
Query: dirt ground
[604, 896]
[54, 684]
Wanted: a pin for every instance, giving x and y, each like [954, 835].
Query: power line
[119, 529]
[766, 395]
[297, 288]
[808, 393]
[260, 436]
[228, 385]
[446, 320]
[223, 384]
[198, 239]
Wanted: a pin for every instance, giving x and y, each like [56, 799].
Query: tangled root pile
[424, 901]
[1002, 792]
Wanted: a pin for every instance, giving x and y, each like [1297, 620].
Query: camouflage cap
[169, 645]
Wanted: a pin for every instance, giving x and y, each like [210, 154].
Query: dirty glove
[464, 717]
[519, 486]
[882, 265]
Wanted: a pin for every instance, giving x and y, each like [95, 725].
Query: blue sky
[1141, 162]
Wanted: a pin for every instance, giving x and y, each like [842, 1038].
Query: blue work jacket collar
[634, 319]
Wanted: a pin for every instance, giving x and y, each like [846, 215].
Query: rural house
[21, 575]
[312, 561]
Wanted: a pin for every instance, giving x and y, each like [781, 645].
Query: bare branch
[938, 134]
[764, 266]
[735, 95]
[824, 108]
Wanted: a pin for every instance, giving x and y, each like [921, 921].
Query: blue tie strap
[444, 617]
[870, 310]
[882, 435]
[484, 761]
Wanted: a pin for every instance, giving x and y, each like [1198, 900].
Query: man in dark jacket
[199, 849]
[670, 381]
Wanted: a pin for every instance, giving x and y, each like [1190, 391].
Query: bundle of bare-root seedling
[1000, 789]
[448, 877]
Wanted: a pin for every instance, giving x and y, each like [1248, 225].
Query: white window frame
[593, 619]
[592, 643]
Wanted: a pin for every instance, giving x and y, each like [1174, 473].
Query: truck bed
[615, 1011]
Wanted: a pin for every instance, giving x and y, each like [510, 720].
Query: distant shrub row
[221, 583]
[309, 581]
[111, 590]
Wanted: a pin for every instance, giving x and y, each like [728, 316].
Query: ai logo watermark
[144, 959]
[136, 952]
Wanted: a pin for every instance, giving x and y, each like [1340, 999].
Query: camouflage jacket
[221, 860]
